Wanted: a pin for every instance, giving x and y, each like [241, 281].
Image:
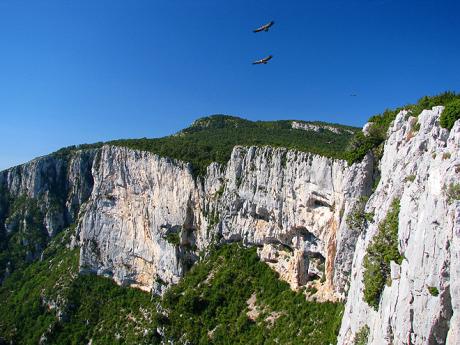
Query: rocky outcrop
[420, 305]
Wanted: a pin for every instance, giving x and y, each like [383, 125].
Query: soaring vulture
[265, 27]
[263, 61]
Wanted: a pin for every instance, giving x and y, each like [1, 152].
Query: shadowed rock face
[428, 236]
[37, 200]
[61, 184]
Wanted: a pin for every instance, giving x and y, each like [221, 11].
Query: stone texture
[138, 200]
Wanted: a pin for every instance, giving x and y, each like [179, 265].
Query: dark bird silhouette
[353, 95]
[263, 61]
[265, 27]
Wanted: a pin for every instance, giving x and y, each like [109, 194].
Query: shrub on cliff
[452, 192]
[358, 218]
[379, 253]
[362, 336]
[450, 114]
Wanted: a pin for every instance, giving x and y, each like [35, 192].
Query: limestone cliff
[420, 165]
[282, 201]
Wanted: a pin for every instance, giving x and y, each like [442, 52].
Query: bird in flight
[265, 27]
[263, 61]
[353, 95]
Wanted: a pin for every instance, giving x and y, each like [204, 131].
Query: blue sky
[94, 70]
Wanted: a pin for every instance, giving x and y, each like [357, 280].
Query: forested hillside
[49, 302]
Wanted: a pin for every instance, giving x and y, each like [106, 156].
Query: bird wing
[264, 27]
[268, 58]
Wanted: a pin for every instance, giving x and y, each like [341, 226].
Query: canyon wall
[144, 220]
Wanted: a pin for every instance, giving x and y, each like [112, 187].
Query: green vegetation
[211, 139]
[450, 114]
[410, 178]
[379, 253]
[433, 290]
[209, 305]
[173, 238]
[452, 192]
[220, 191]
[22, 232]
[89, 307]
[67, 151]
[358, 218]
[362, 336]
[311, 290]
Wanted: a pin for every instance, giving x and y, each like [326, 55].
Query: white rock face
[137, 200]
[291, 201]
[416, 167]
[316, 128]
[366, 128]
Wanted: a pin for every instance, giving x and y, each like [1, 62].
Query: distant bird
[265, 27]
[353, 95]
[263, 61]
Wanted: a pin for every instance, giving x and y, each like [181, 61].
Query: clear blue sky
[93, 70]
